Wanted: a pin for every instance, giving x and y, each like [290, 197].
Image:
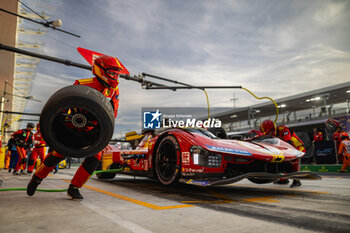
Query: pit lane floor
[142, 205]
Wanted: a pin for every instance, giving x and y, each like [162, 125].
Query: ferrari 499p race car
[196, 156]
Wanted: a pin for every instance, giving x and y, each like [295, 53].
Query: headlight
[205, 158]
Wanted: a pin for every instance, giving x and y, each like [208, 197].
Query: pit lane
[128, 204]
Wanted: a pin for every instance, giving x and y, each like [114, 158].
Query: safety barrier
[321, 168]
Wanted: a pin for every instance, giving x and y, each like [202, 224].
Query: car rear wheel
[167, 162]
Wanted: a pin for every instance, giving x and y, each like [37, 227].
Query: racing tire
[77, 121]
[261, 181]
[167, 160]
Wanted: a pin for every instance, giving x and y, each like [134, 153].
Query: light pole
[234, 99]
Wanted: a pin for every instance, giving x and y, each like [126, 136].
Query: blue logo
[151, 120]
[228, 150]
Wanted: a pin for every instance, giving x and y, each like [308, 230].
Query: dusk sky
[275, 48]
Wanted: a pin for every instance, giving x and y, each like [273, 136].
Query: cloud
[274, 48]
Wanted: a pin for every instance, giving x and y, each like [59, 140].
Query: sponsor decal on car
[277, 158]
[146, 165]
[197, 182]
[228, 150]
[191, 170]
[186, 158]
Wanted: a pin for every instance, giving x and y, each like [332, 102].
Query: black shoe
[295, 184]
[74, 193]
[24, 172]
[281, 182]
[33, 184]
[54, 172]
[10, 170]
[29, 172]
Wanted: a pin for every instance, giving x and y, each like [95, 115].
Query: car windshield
[202, 132]
[272, 141]
[266, 139]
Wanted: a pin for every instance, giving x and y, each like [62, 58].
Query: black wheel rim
[76, 128]
[167, 159]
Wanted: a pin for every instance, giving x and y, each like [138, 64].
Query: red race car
[196, 156]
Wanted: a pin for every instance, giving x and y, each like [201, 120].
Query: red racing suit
[318, 137]
[337, 139]
[344, 150]
[39, 150]
[90, 163]
[290, 136]
[23, 141]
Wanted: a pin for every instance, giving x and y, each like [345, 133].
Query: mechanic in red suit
[318, 135]
[253, 134]
[337, 139]
[106, 70]
[344, 150]
[268, 127]
[39, 150]
[23, 141]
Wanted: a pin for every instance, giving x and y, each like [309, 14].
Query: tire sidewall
[175, 177]
[78, 96]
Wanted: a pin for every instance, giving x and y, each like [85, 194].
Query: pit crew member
[337, 139]
[268, 127]
[14, 155]
[23, 141]
[39, 150]
[106, 70]
[318, 135]
[253, 134]
[344, 150]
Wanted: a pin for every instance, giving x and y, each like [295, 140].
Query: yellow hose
[259, 98]
[265, 97]
[206, 94]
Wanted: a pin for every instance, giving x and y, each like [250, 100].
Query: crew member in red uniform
[23, 141]
[106, 70]
[344, 150]
[268, 127]
[39, 150]
[337, 139]
[253, 134]
[318, 135]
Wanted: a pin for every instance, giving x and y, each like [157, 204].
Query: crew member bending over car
[268, 127]
[106, 70]
[39, 150]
